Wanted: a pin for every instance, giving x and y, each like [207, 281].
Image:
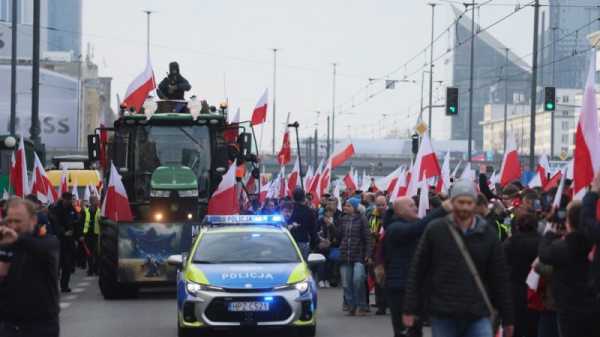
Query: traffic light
[415, 143]
[451, 101]
[549, 98]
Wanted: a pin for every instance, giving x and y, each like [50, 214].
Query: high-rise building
[64, 26]
[565, 39]
[499, 76]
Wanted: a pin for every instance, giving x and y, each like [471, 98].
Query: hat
[299, 195]
[463, 188]
[354, 202]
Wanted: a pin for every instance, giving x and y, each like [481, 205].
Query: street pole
[274, 95]
[554, 85]
[13, 71]
[431, 69]
[35, 130]
[471, 81]
[505, 97]
[422, 94]
[534, 69]
[148, 13]
[295, 125]
[328, 138]
[316, 147]
[333, 112]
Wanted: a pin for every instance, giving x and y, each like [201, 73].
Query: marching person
[355, 246]
[28, 275]
[375, 225]
[400, 243]
[65, 221]
[460, 305]
[91, 232]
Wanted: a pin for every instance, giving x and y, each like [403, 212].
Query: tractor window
[173, 145]
[5, 161]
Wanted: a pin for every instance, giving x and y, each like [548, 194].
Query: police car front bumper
[211, 309]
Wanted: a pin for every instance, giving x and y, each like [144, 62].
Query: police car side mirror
[316, 258]
[175, 260]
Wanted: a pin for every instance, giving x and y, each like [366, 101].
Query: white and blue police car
[245, 271]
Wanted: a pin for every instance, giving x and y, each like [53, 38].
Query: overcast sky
[224, 49]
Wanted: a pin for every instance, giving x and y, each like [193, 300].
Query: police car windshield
[246, 247]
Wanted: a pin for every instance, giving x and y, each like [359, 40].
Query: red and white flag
[561, 187]
[365, 182]
[231, 133]
[116, 203]
[259, 115]
[308, 177]
[325, 179]
[554, 181]
[540, 178]
[426, 166]
[224, 200]
[388, 182]
[282, 185]
[293, 180]
[400, 186]
[511, 166]
[264, 191]
[18, 171]
[285, 154]
[349, 182]
[443, 183]
[586, 155]
[64, 185]
[341, 156]
[139, 89]
[40, 184]
[314, 188]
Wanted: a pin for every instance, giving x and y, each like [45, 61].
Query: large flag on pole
[18, 171]
[511, 166]
[285, 154]
[540, 178]
[341, 156]
[293, 180]
[138, 90]
[116, 203]
[586, 155]
[426, 166]
[443, 183]
[259, 115]
[40, 184]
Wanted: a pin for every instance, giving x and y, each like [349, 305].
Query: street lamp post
[431, 69]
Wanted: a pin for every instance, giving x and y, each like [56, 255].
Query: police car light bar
[212, 220]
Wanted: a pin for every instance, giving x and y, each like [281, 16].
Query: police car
[245, 271]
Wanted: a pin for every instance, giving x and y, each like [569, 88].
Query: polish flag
[511, 166]
[308, 177]
[340, 157]
[40, 184]
[399, 187]
[423, 199]
[426, 166]
[282, 185]
[540, 179]
[561, 187]
[587, 139]
[443, 183]
[138, 90]
[365, 182]
[314, 188]
[18, 171]
[293, 180]
[325, 179]
[64, 186]
[116, 203]
[336, 194]
[388, 182]
[275, 188]
[285, 154]
[264, 191]
[231, 133]
[224, 200]
[259, 115]
[554, 181]
[349, 182]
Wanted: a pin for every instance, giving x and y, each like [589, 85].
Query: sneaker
[380, 312]
[321, 284]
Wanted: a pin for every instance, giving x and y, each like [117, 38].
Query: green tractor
[170, 164]
[8, 145]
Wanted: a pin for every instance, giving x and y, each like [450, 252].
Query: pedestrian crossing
[80, 287]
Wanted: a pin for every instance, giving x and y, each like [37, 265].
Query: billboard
[59, 106]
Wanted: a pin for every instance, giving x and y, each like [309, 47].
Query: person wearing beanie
[355, 245]
[456, 304]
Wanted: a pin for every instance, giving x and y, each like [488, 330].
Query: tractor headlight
[188, 193]
[160, 193]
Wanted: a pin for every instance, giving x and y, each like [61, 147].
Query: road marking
[78, 290]
[89, 278]
[64, 305]
[70, 298]
[83, 284]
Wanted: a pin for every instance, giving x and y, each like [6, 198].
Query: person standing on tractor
[91, 231]
[174, 85]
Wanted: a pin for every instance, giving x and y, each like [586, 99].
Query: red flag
[259, 115]
[64, 186]
[18, 171]
[116, 202]
[511, 166]
[426, 166]
[294, 178]
[340, 157]
[325, 180]
[264, 191]
[285, 154]
[349, 182]
[140, 87]
[40, 184]
[587, 139]
[314, 188]
[224, 200]
[553, 181]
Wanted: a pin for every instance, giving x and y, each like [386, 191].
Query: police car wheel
[306, 331]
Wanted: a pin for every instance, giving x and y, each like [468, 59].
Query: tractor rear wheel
[109, 265]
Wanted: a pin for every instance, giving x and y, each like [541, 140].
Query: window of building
[565, 112]
[565, 139]
[565, 125]
[565, 99]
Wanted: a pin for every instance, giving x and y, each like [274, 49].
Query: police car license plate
[248, 306]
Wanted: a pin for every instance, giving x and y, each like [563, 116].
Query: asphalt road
[84, 313]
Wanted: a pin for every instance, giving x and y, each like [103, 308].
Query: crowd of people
[481, 261]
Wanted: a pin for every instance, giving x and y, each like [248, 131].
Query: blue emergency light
[225, 220]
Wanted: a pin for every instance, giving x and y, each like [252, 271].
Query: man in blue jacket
[402, 235]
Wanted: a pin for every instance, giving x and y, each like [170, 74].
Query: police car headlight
[302, 287]
[160, 193]
[195, 288]
[188, 193]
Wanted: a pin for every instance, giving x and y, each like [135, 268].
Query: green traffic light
[549, 106]
[452, 109]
